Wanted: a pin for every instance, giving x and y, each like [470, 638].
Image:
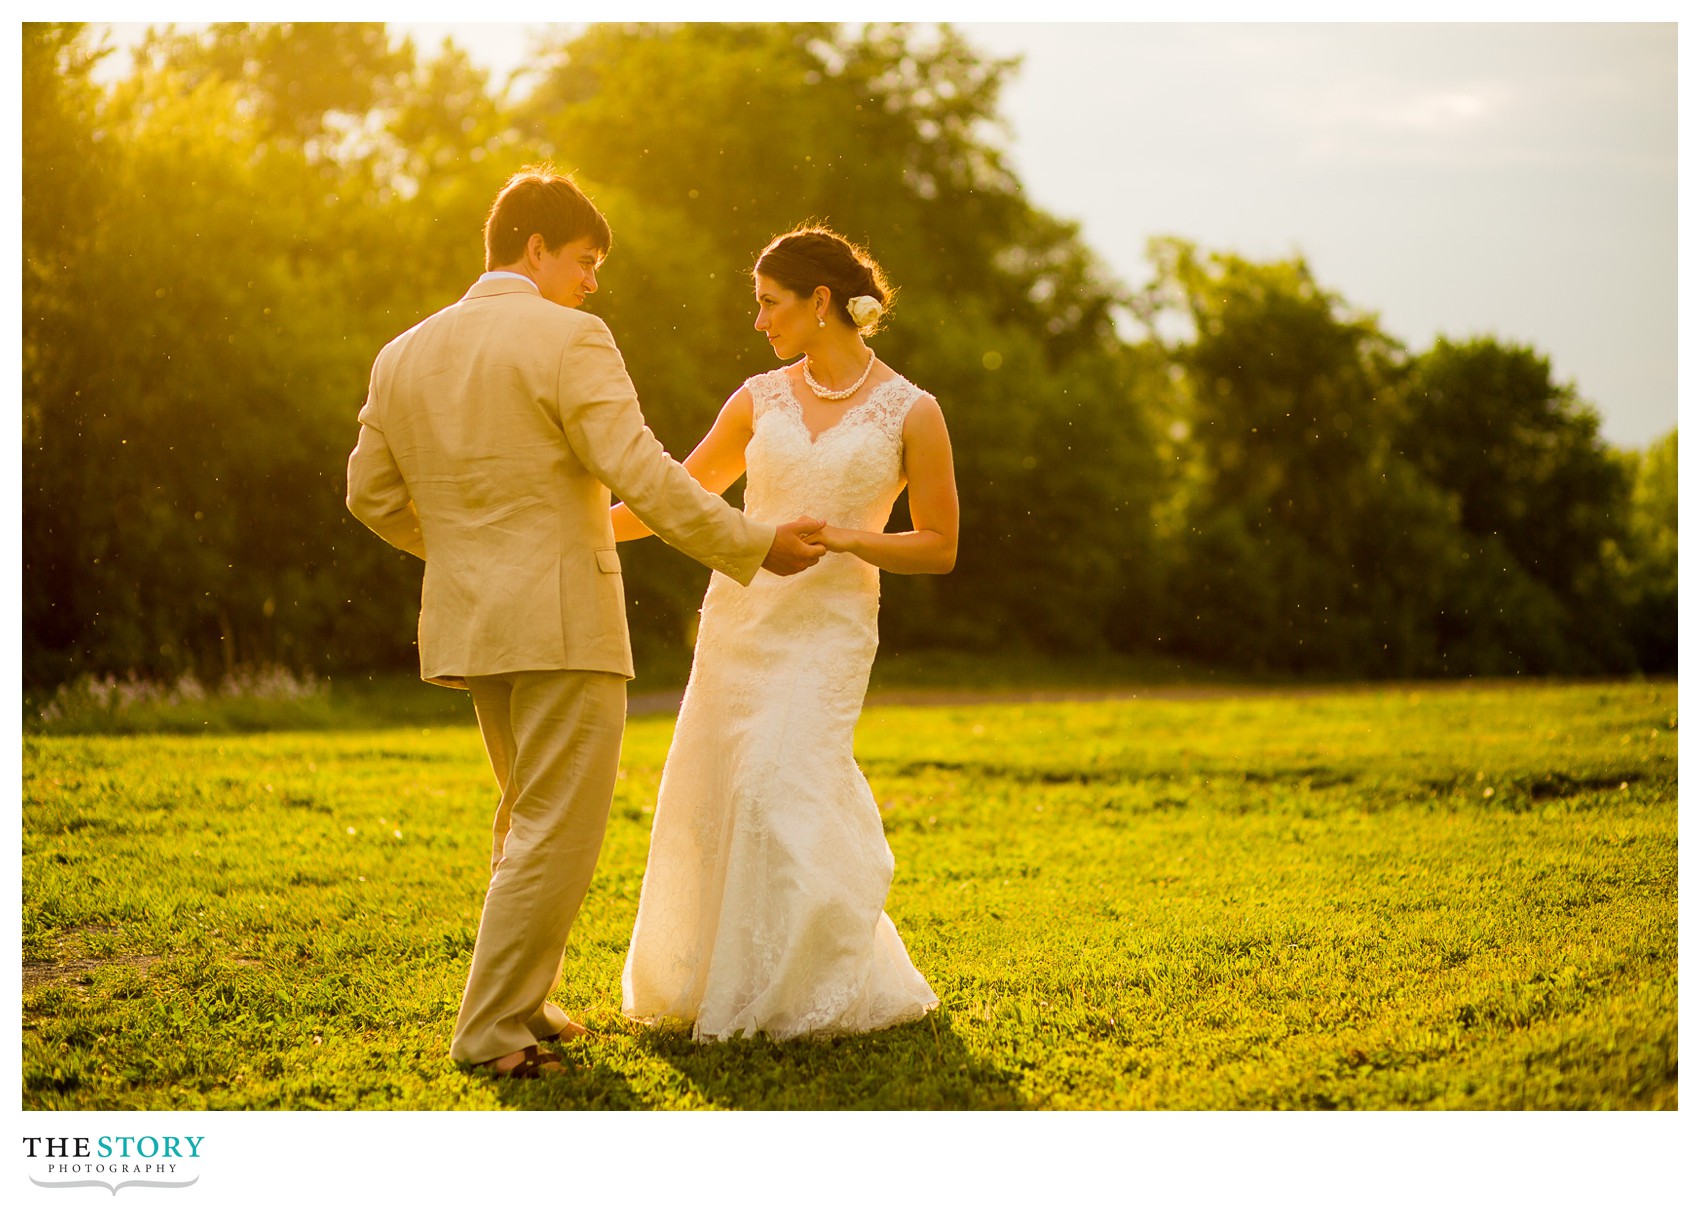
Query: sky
[1518, 180]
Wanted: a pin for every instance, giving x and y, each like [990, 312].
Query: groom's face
[567, 275]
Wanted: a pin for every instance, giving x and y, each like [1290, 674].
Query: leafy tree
[1523, 456]
[216, 247]
[1304, 540]
[707, 140]
[1646, 561]
[234, 272]
[65, 155]
[298, 81]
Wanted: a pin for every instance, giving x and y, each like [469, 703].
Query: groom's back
[476, 381]
[469, 402]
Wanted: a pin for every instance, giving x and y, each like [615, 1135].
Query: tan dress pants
[553, 737]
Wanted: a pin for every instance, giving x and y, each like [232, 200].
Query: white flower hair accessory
[864, 309]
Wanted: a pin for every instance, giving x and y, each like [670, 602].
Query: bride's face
[785, 318]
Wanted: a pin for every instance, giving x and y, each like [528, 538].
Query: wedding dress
[762, 907]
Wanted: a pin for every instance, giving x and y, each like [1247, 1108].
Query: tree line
[216, 246]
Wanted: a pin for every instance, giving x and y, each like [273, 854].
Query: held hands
[833, 538]
[791, 552]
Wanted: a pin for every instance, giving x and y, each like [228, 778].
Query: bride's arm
[716, 463]
[931, 546]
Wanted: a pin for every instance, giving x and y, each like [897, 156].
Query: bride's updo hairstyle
[811, 256]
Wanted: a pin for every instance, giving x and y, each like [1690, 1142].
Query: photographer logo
[113, 1162]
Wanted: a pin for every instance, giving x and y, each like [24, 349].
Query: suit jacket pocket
[594, 618]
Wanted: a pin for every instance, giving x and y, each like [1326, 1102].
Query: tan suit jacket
[491, 435]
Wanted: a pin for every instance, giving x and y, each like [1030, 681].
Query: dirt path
[666, 702]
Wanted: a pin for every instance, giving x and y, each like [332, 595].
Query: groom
[491, 435]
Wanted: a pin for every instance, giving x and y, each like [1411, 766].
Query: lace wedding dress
[763, 902]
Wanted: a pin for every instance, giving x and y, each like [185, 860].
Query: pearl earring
[821, 320]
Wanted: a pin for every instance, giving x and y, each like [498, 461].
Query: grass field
[1440, 896]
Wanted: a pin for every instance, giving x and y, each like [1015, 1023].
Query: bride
[763, 902]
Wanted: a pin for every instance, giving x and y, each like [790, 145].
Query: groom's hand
[791, 552]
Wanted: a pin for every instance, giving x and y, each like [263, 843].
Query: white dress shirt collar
[505, 273]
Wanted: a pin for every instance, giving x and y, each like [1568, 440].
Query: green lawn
[1441, 896]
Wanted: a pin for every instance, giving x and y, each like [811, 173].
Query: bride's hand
[833, 538]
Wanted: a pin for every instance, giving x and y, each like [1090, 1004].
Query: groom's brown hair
[539, 199]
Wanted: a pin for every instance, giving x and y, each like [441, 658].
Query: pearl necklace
[827, 394]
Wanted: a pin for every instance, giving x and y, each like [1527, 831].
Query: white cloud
[1440, 112]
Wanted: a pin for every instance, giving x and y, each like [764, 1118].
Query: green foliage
[1535, 486]
[235, 270]
[1345, 507]
[1305, 540]
[216, 247]
[711, 138]
[1445, 896]
[1646, 562]
[296, 79]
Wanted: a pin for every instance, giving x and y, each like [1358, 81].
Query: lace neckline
[796, 405]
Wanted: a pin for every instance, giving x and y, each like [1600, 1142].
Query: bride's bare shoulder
[884, 372]
[923, 411]
[740, 403]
